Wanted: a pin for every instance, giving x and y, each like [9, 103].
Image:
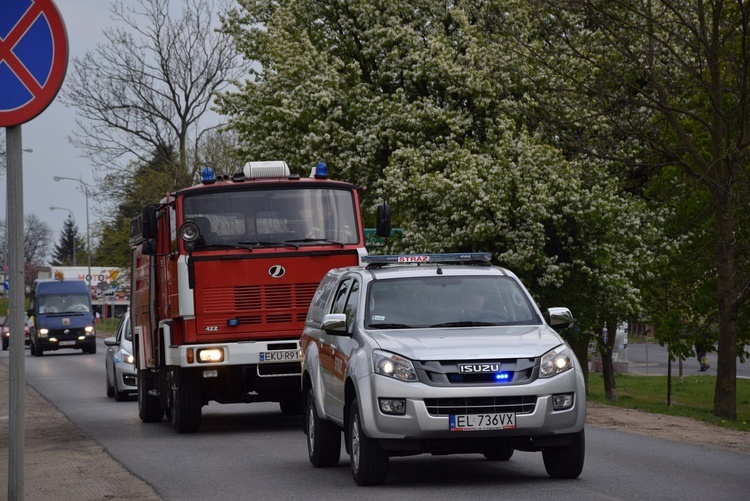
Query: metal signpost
[33, 61]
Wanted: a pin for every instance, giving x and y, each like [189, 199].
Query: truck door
[337, 349]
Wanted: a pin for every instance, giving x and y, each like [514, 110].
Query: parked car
[437, 354]
[119, 363]
[6, 331]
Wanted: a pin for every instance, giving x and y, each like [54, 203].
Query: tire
[185, 402]
[323, 437]
[369, 461]
[501, 454]
[91, 350]
[149, 409]
[566, 461]
[39, 351]
[110, 389]
[32, 350]
[5, 345]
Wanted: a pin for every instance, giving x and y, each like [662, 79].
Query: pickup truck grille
[480, 405]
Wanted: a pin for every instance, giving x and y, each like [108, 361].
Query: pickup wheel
[323, 437]
[185, 401]
[369, 461]
[566, 461]
[149, 409]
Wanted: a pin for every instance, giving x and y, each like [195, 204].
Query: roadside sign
[33, 58]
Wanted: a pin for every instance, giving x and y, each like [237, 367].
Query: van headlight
[555, 361]
[391, 365]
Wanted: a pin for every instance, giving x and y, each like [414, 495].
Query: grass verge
[693, 398]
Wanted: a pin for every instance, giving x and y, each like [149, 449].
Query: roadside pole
[14, 246]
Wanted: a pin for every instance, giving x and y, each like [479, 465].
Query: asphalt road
[255, 452]
[650, 358]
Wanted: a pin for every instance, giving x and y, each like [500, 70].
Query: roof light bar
[462, 257]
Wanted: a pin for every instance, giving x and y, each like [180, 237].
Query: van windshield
[63, 303]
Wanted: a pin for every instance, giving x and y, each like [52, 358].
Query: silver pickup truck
[437, 354]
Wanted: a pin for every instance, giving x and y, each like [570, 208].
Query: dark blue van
[62, 316]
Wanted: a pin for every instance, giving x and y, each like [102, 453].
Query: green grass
[693, 398]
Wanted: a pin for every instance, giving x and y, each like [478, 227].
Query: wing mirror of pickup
[559, 318]
[335, 324]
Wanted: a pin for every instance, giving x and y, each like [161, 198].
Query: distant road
[650, 358]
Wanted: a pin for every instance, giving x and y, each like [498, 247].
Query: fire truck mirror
[149, 222]
[149, 247]
[384, 220]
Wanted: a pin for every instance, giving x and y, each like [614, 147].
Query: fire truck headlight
[189, 231]
[207, 355]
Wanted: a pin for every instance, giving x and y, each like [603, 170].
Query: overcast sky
[46, 134]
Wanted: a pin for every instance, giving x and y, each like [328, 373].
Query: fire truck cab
[222, 277]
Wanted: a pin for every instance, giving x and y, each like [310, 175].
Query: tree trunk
[608, 368]
[725, 401]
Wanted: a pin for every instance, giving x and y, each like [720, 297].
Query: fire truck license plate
[269, 357]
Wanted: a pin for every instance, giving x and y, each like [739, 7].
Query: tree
[71, 248]
[150, 85]
[671, 75]
[417, 101]
[37, 237]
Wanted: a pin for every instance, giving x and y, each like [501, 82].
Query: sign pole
[14, 247]
[29, 81]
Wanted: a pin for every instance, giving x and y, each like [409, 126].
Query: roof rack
[459, 257]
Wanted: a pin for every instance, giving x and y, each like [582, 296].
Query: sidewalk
[60, 461]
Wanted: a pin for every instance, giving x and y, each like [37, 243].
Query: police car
[438, 354]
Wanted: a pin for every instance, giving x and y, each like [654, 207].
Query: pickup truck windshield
[448, 301]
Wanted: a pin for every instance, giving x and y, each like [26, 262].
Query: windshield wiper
[222, 246]
[268, 243]
[390, 326]
[316, 241]
[464, 323]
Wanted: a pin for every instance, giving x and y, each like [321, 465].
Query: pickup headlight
[555, 361]
[391, 365]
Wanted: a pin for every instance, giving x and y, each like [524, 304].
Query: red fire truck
[223, 274]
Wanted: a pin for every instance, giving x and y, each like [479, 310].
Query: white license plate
[67, 343]
[483, 422]
[272, 357]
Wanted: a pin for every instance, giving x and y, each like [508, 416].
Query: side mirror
[149, 247]
[559, 318]
[335, 324]
[148, 227]
[384, 221]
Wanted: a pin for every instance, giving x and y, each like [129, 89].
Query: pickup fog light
[208, 355]
[391, 365]
[392, 405]
[555, 361]
[560, 402]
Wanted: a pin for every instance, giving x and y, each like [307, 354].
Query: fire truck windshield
[274, 216]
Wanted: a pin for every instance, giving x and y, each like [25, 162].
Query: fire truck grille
[256, 304]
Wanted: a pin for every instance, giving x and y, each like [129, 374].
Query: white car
[438, 354]
[119, 363]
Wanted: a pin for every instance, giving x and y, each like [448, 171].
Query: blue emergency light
[207, 175]
[321, 171]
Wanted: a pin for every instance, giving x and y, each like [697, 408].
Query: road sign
[33, 58]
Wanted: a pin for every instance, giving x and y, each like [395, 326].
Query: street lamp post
[74, 239]
[85, 188]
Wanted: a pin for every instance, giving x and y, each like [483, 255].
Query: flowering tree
[422, 102]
